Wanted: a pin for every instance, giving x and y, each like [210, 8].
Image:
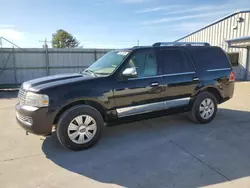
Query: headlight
[37, 100]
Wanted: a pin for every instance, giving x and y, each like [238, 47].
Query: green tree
[63, 39]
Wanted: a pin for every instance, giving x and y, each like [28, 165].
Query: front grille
[24, 119]
[21, 96]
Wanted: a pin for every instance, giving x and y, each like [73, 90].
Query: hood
[50, 81]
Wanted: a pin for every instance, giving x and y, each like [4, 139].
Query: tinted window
[145, 63]
[174, 61]
[209, 58]
[234, 59]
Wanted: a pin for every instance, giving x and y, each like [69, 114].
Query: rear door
[179, 77]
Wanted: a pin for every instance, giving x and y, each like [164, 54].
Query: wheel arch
[91, 103]
[213, 90]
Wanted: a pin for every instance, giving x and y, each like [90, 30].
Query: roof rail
[181, 44]
[140, 46]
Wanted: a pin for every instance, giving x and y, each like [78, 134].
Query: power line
[1, 42]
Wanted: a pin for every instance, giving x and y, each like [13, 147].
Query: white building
[232, 33]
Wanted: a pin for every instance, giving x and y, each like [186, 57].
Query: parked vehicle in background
[127, 85]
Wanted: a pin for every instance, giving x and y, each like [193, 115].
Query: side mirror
[130, 72]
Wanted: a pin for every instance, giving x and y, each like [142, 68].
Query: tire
[80, 127]
[199, 115]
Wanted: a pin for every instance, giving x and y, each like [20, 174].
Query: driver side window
[144, 62]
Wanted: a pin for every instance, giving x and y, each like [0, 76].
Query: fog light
[24, 119]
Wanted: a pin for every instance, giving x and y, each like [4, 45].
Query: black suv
[127, 85]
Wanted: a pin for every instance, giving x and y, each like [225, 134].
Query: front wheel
[204, 108]
[79, 127]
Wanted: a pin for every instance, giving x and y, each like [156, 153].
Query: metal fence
[20, 65]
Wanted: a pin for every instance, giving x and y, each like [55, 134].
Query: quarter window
[174, 62]
[209, 58]
[144, 62]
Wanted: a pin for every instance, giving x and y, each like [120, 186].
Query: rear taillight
[232, 76]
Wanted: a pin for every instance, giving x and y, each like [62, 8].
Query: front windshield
[108, 63]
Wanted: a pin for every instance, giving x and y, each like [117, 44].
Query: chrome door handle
[196, 79]
[155, 84]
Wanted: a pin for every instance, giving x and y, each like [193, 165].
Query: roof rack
[158, 44]
[139, 46]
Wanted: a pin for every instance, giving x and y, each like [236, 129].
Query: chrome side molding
[177, 74]
[133, 110]
[145, 108]
[214, 70]
[177, 103]
[159, 76]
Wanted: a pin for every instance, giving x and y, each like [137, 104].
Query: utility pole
[45, 45]
[138, 42]
[1, 44]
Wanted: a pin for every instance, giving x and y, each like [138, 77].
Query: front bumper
[34, 120]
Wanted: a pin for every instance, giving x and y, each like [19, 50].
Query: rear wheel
[79, 127]
[204, 108]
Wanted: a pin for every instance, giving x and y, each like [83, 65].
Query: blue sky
[109, 23]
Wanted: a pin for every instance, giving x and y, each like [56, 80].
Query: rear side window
[209, 58]
[174, 61]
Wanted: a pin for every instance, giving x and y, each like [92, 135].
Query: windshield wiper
[92, 72]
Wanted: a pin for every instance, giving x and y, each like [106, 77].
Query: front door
[143, 93]
[179, 77]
